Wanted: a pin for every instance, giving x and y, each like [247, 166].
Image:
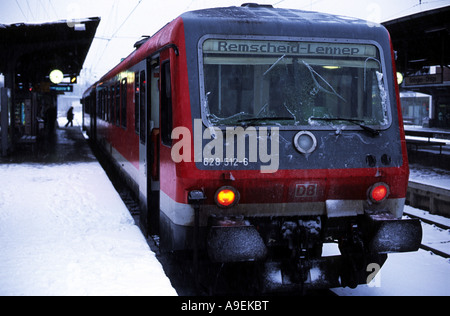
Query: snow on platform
[432, 176]
[65, 231]
[407, 274]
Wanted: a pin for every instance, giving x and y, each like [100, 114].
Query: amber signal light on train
[226, 196]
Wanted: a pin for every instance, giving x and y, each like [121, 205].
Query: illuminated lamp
[226, 196]
[331, 67]
[378, 192]
[56, 76]
[399, 78]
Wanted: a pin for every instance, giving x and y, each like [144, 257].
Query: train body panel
[279, 127]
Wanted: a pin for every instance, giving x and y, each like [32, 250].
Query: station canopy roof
[421, 39]
[34, 50]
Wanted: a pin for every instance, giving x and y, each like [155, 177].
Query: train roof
[264, 19]
[255, 20]
[266, 14]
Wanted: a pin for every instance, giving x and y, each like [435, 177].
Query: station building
[38, 62]
[422, 45]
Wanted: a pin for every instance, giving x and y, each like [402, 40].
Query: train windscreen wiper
[360, 123]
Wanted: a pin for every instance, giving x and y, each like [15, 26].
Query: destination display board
[231, 46]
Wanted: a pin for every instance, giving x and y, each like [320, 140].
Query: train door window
[123, 103]
[166, 105]
[137, 102]
[142, 100]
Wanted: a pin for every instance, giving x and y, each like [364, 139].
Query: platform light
[226, 196]
[399, 78]
[56, 76]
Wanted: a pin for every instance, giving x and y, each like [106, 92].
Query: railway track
[436, 232]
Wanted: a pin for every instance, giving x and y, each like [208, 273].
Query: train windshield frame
[293, 83]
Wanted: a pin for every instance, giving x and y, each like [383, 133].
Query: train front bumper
[387, 234]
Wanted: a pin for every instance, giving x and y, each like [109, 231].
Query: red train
[255, 134]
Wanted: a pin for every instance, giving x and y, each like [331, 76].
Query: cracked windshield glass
[249, 82]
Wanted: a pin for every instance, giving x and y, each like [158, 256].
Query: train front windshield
[292, 84]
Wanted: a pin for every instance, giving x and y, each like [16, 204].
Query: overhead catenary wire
[31, 11]
[26, 19]
[109, 39]
[126, 19]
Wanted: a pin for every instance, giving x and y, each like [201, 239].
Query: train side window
[123, 102]
[102, 104]
[111, 104]
[142, 100]
[137, 101]
[166, 105]
[117, 101]
[108, 104]
[99, 104]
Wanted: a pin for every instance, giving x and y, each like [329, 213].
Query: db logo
[306, 190]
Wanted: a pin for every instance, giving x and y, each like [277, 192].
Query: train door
[153, 185]
[149, 145]
[166, 166]
[140, 97]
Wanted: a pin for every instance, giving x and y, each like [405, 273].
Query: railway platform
[65, 145]
[428, 146]
[429, 158]
[64, 230]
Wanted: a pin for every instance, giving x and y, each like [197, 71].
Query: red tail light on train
[378, 192]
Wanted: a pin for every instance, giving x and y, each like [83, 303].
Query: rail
[428, 242]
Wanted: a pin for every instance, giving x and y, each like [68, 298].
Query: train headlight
[305, 142]
[226, 196]
[378, 192]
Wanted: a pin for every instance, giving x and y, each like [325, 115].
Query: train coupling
[234, 239]
[387, 234]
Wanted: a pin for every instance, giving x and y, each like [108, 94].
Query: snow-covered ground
[65, 231]
[407, 274]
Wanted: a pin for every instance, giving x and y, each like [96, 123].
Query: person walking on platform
[70, 117]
